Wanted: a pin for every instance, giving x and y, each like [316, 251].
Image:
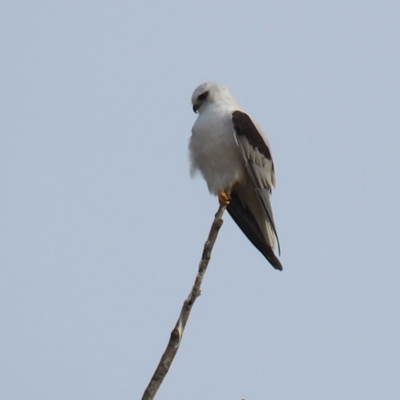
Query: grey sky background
[102, 227]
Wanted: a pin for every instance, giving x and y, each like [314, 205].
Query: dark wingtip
[269, 254]
[278, 268]
[249, 226]
[274, 261]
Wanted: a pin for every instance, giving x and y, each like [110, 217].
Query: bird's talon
[224, 199]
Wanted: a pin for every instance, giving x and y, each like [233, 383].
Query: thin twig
[177, 332]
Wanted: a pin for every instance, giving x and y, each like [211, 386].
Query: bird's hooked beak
[196, 107]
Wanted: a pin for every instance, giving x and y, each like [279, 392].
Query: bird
[228, 147]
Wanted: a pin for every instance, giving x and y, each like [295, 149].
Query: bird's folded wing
[258, 161]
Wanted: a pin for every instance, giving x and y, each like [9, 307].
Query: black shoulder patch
[244, 127]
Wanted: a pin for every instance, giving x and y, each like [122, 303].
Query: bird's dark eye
[203, 96]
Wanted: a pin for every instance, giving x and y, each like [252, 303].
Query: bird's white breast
[214, 151]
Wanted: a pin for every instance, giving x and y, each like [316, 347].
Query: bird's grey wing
[242, 214]
[258, 161]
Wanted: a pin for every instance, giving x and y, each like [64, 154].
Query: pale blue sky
[102, 227]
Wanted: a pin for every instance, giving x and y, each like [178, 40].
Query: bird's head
[210, 92]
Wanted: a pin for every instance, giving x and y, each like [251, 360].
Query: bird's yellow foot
[224, 199]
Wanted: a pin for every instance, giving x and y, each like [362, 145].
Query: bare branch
[177, 332]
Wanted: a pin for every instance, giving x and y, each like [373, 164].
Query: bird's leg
[224, 198]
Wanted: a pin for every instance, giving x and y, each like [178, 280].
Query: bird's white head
[210, 92]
